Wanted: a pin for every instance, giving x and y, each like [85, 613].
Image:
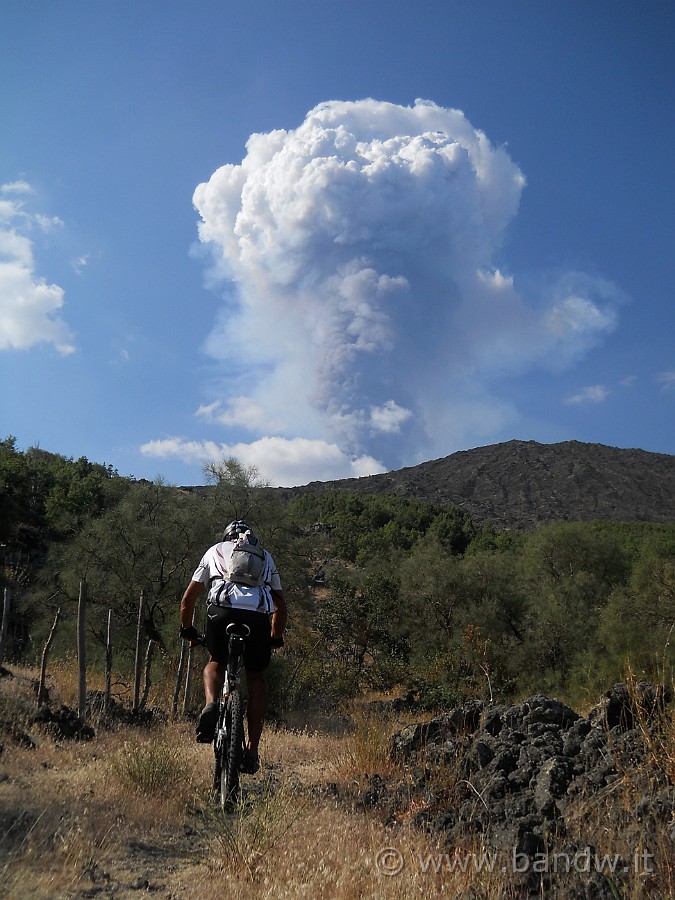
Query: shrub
[151, 768]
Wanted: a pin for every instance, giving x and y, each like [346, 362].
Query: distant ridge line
[521, 484]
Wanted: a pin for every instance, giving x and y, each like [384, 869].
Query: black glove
[190, 634]
[277, 642]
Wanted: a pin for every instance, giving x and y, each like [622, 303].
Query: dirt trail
[176, 860]
[77, 821]
[163, 866]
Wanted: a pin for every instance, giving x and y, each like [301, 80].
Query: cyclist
[233, 602]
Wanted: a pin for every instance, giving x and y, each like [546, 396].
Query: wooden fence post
[146, 680]
[108, 663]
[138, 665]
[41, 695]
[179, 677]
[186, 657]
[5, 620]
[81, 657]
[188, 682]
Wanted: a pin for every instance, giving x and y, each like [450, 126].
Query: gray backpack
[247, 561]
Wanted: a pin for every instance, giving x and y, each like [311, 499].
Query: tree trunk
[3, 627]
[81, 656]
[41, 696]
[138, 665]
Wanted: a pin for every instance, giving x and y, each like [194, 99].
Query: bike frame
[237, 634]
[228, 758]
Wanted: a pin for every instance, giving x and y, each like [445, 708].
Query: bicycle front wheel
[232, 751]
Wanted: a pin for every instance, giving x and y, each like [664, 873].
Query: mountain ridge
[522, 484]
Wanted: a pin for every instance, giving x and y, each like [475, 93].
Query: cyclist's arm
[192, 593]
[279, 615]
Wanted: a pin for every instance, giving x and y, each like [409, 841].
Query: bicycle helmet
[234, 529]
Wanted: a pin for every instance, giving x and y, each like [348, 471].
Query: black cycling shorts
[258, 649]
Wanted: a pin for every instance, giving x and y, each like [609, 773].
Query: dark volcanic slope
[522, 483]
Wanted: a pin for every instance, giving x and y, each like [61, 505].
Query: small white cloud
[46, 223]
[241, 411]
[578, 315]
[389, 417]
[209, 411]
[628, 381]
[80, 264]
[29, 307]
[8, 210]
[596, 393]
[282, 461]
[667, 380]
[16, 187]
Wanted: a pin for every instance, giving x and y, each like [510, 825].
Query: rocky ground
[526, 780]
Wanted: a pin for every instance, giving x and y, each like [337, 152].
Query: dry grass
[327, 853]
[66, 808]
[658, 732]
[302, 752]
[133, 809]
[240, 842]
[75, 816]
[365, 749]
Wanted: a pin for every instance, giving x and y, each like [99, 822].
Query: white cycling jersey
[212, 572]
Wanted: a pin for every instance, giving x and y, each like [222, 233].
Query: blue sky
[453, 226]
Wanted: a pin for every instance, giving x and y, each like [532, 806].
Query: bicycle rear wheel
[232, 751]
[218, 751]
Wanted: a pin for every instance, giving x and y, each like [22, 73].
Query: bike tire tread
[232, 752]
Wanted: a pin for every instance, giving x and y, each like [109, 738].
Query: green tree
[570, 570]
[358, 626]
[465, 620]
[236, 488]
[15, 490]
[637, 627]
[434, 596]
[151, 541]
[80, 490]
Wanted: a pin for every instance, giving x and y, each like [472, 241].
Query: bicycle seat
[238, 629]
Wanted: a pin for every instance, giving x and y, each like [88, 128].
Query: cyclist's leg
[208, 721]
[257, 707]
[217, 620]
[257, 658]
[214, 676]
[214, 671]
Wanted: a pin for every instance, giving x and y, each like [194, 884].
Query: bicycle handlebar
[191, 634]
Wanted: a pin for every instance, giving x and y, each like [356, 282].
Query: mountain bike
[229, 742]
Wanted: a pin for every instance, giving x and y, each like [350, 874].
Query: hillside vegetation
[384, 591]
